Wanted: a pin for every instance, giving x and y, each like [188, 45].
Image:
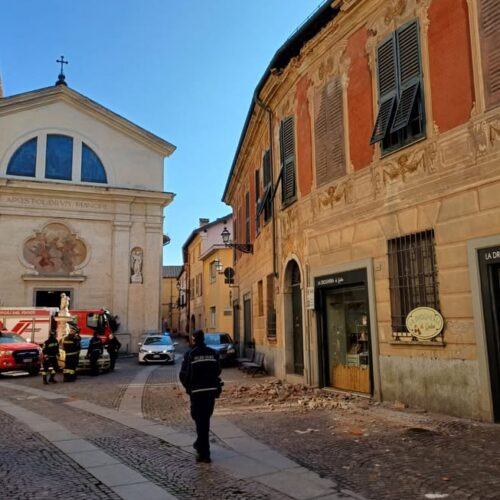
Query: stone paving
[374, 450]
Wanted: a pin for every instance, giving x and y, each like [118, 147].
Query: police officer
[113, 346]
[200, 376]
[71, 346]
[50, 350]
[94, 353]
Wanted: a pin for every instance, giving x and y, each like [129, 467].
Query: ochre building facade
[367, 178]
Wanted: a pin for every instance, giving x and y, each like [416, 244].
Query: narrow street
[128, 434]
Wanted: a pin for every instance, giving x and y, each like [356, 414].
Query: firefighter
[50, 351]
[94, 353]
[71, 346]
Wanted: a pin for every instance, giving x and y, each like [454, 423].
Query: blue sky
[184, 70]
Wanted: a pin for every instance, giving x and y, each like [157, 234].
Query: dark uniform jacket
[200, 371]
[71, 344]
[51, 347]
[95, 347]
[113, 345]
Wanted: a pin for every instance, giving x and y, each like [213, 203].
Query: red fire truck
[34, 324]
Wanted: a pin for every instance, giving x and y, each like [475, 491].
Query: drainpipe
[269, 111]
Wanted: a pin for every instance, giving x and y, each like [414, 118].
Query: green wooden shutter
[257, 200]
[267, 199]
[489, 25]
[387, 87]
[410, 73]
[287, 150]
[329, 134]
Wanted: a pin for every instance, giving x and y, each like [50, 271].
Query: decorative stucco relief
[54, 250]
[335, 194]
[419, 161]
[485, 135]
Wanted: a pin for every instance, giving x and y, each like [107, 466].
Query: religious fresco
[55, 250]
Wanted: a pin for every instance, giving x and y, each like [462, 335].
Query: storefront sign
[310, 297]
[340, 279]
[424, 323]
[491, 254]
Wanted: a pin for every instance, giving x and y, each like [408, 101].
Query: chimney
[204, 222]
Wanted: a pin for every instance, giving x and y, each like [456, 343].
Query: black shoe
[195, 446]
[45, 382]
[203, 459]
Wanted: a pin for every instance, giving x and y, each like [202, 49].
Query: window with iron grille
[287, 151]
[412, 277]
[401, 115]
[271, 310]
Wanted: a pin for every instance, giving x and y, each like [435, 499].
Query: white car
[103, 362]
[157, 349]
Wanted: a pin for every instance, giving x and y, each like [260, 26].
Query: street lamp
[242, 247]
[219, 266]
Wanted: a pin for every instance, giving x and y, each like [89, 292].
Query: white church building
[81, 207]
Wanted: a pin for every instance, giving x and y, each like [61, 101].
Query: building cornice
[49, 95]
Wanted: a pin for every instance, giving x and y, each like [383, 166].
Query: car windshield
[11, 338]
[163, 340]
[217, 338]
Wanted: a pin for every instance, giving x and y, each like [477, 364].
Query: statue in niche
[136, 258]
[64, 306]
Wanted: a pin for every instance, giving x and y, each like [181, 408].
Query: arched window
[23, 161]
[59, 157]
[92, 167]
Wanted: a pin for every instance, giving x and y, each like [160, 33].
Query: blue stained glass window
[92, 168]
[23, 161]
[59, 158]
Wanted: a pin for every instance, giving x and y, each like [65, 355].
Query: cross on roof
[62, 61]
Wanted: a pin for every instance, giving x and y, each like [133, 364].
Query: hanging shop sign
[424, 323]
[310, 297]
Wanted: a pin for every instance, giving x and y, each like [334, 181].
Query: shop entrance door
[346, 339]
[489, 260]
[247, 321]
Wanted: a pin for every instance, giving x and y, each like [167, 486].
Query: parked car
[103, 362]
[224, 345]
[157, 349]
[17, 354]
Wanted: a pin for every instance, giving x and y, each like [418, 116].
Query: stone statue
[64, 306]
[136, 265]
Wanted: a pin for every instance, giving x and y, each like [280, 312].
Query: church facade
[81, 208]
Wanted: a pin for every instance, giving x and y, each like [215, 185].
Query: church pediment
[44, 97]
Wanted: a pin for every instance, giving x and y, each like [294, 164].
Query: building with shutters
[170, 299]
[366, 180]
[208, 295]
[77, 212]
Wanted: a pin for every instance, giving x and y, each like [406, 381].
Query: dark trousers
[94, 369]
[202, 407]
[112, 359]
[49, 367]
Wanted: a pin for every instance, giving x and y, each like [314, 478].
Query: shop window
[412, 276]
[92, 168]
[23, 161]
[401, 116]
[59, 157]
[329, 133]
[287, 151]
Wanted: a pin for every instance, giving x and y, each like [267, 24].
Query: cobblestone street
[128, 434]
